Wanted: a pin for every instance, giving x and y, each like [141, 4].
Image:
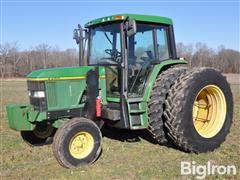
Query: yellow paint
[81, 145]
[61, 78]
[209, 111]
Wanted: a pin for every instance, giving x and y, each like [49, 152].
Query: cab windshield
[105, 44]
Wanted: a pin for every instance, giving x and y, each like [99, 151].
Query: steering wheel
[108, 60]
[144, 69]
[142, 74]
[113, 53]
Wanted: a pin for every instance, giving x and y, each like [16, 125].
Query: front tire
[77, 142]
[199, 110]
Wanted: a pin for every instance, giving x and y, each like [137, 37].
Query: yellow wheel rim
[209, 111]
[81, 145]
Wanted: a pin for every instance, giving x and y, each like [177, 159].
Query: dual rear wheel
[196, 113]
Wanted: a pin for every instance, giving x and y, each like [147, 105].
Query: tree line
[18, 63]
[226, 60]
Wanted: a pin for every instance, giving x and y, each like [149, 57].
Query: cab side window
[144, 49]
[162, 41]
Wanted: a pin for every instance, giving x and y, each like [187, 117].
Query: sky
[30, 23]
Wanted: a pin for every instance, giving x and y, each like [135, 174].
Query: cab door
[146, 48]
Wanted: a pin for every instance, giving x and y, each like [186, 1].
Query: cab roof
[136, 17]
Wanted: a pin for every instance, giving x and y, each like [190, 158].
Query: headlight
[39, 94]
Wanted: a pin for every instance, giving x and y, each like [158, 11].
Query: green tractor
[130, 78]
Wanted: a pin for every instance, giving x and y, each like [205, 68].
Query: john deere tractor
[130, 78]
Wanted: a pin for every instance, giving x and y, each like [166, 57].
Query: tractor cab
[127, 41]
[128, 47]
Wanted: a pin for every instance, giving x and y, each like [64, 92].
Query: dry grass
[121, 159]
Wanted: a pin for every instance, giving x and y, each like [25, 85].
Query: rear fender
[155, 72]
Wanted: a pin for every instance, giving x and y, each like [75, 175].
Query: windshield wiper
[106, 35]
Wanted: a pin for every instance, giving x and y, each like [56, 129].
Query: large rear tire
[156, 104]
[199, 110]
[77, 142]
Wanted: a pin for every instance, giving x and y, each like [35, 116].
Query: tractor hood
[60, 73]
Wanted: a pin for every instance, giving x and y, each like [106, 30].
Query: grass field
[126, 155]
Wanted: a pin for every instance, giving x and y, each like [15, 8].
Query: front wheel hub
[81, 145]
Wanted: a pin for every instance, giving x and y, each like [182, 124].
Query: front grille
[39, 104]
[51, 94]
[36, 85]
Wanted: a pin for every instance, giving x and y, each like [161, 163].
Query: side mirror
[76, 35]
[131, 27]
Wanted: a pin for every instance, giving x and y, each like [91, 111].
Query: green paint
[22, 117]
[102, 85]
[144, 116]
[36, 116]
[137, 17]
[65, 94]
[141, 112]
[18, 117]
[155, 72]
[143, 108]
[57, 123]
[113, 99]
[61, 72]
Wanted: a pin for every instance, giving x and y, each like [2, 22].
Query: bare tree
[185, 51]
[14, 62]
[3, 58]
[44, 49]
[229, 61]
